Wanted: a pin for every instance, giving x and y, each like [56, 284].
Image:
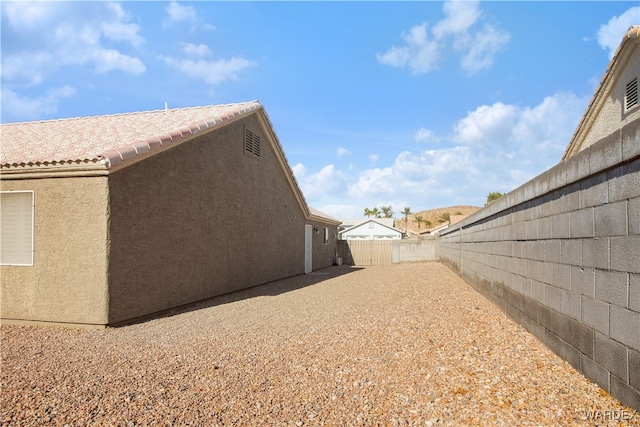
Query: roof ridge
[130, 143]
[129, 113]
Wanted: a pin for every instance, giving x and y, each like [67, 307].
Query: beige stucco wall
[612, 111]
[199, 220]
[323, 254]
[68, 281]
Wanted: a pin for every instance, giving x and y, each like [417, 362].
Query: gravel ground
[407, 344]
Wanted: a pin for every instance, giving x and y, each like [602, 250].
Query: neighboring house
[615, 102]
[371, 229]
[106, 219]
[453, 219]
[348, 223]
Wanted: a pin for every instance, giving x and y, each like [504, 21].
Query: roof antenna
[166, 108]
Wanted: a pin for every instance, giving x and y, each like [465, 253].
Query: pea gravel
[407, 344]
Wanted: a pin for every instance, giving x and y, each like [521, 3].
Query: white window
[326, 236]
[16, 227]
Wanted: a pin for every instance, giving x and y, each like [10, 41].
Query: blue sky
[419, 104]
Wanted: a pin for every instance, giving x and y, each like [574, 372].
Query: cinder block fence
[561, 256]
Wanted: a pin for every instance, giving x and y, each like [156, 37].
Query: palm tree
[387, 212]
[367, 212]
[375, 212]
[419, 219]
[427, 223]
[406, 212]
[445, 217]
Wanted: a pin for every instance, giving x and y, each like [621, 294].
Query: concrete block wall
[561, 256]
[415, 249]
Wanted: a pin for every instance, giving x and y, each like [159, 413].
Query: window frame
[32, 230]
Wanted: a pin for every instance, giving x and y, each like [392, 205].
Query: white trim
[30, 264]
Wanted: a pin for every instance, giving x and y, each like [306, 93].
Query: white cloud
[373, 158]
[211, 72]
[15, 106]
[119, 29]
[298, 170]
[327, 180]
[493, 148]
[341, 152]
[483, 49]
[28, 68]
[486, 125]
[460, 16]
[54, 35]
[422, 53]
[424, 135]
[196, 50]
[610, 34]
[177, 13]
[106, 60]
[26, 16]
[419, 54]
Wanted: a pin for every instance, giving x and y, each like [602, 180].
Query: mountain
[457, 213]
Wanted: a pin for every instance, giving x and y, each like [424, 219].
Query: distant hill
[433, 215]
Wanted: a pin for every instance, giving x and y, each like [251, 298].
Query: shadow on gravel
[267, 289]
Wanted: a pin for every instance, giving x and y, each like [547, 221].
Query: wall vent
[631, 95]
[252, 142]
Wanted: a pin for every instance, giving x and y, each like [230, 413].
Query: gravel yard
[407, 344]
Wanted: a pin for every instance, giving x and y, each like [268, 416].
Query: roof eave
[36, 170]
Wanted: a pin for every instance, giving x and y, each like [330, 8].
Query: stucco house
[615, 101]
[371, 229]
[109, 218]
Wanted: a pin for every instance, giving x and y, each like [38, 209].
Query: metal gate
[368, 252]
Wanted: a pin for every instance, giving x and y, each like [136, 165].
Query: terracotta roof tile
[110, 138]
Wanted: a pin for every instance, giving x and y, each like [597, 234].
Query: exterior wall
[199, 220]
[324, 254]
[415, 249]
[68, 280]
[613, 108]
[378, 232]
[561, 255]
[385, 252]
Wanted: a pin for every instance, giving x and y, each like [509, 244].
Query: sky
[405, 104]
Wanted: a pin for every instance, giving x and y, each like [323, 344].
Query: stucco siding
[612, 110]
[68, 280]
[199, 220]
[324, 253]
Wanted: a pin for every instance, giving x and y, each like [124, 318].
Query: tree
[493, 196]
[445, 217]
[367, 212]
[406, 212]
[427, 223]
[387, 212]
[419, 219]
[375, 213]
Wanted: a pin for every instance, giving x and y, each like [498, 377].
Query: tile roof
[108, 139]
[322, 215]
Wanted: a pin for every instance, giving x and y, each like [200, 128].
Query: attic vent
[631, 95]
[252, 142]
